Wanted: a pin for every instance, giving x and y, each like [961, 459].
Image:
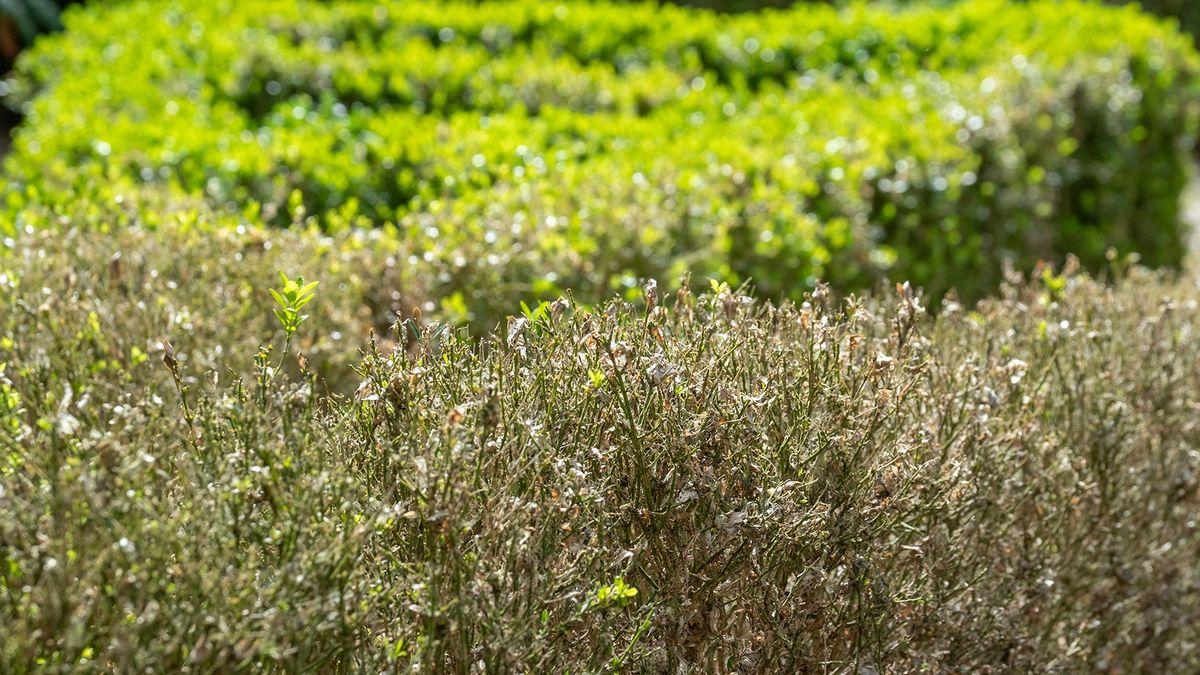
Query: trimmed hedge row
[1186, 12]
[524, 148]
[694, 482]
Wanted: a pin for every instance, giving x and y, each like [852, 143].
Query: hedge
[1186, 12]
[692, 481]
[526, 148]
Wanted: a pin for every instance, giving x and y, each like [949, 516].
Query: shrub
[114, 298]
[1187, 13]
[523, 148]
[697, 480]
[737, 5]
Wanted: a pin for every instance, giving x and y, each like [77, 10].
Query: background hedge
[523, 148]
[1185, 11]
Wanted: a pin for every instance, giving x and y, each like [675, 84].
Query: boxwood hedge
[1186, 12]
[521, 148]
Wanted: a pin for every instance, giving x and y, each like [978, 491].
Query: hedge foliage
[846, 486]
[523, 148]
[1186, 12]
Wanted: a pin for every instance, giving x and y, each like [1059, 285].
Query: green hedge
[737, 5]
[525, 148]
[1187, 12]
[789, 490]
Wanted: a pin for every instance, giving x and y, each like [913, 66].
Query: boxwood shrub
[1184, 11]
[1187, 13]
[522, 148]
[694, 481]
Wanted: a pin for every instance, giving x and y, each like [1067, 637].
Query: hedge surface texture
[694, 480]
